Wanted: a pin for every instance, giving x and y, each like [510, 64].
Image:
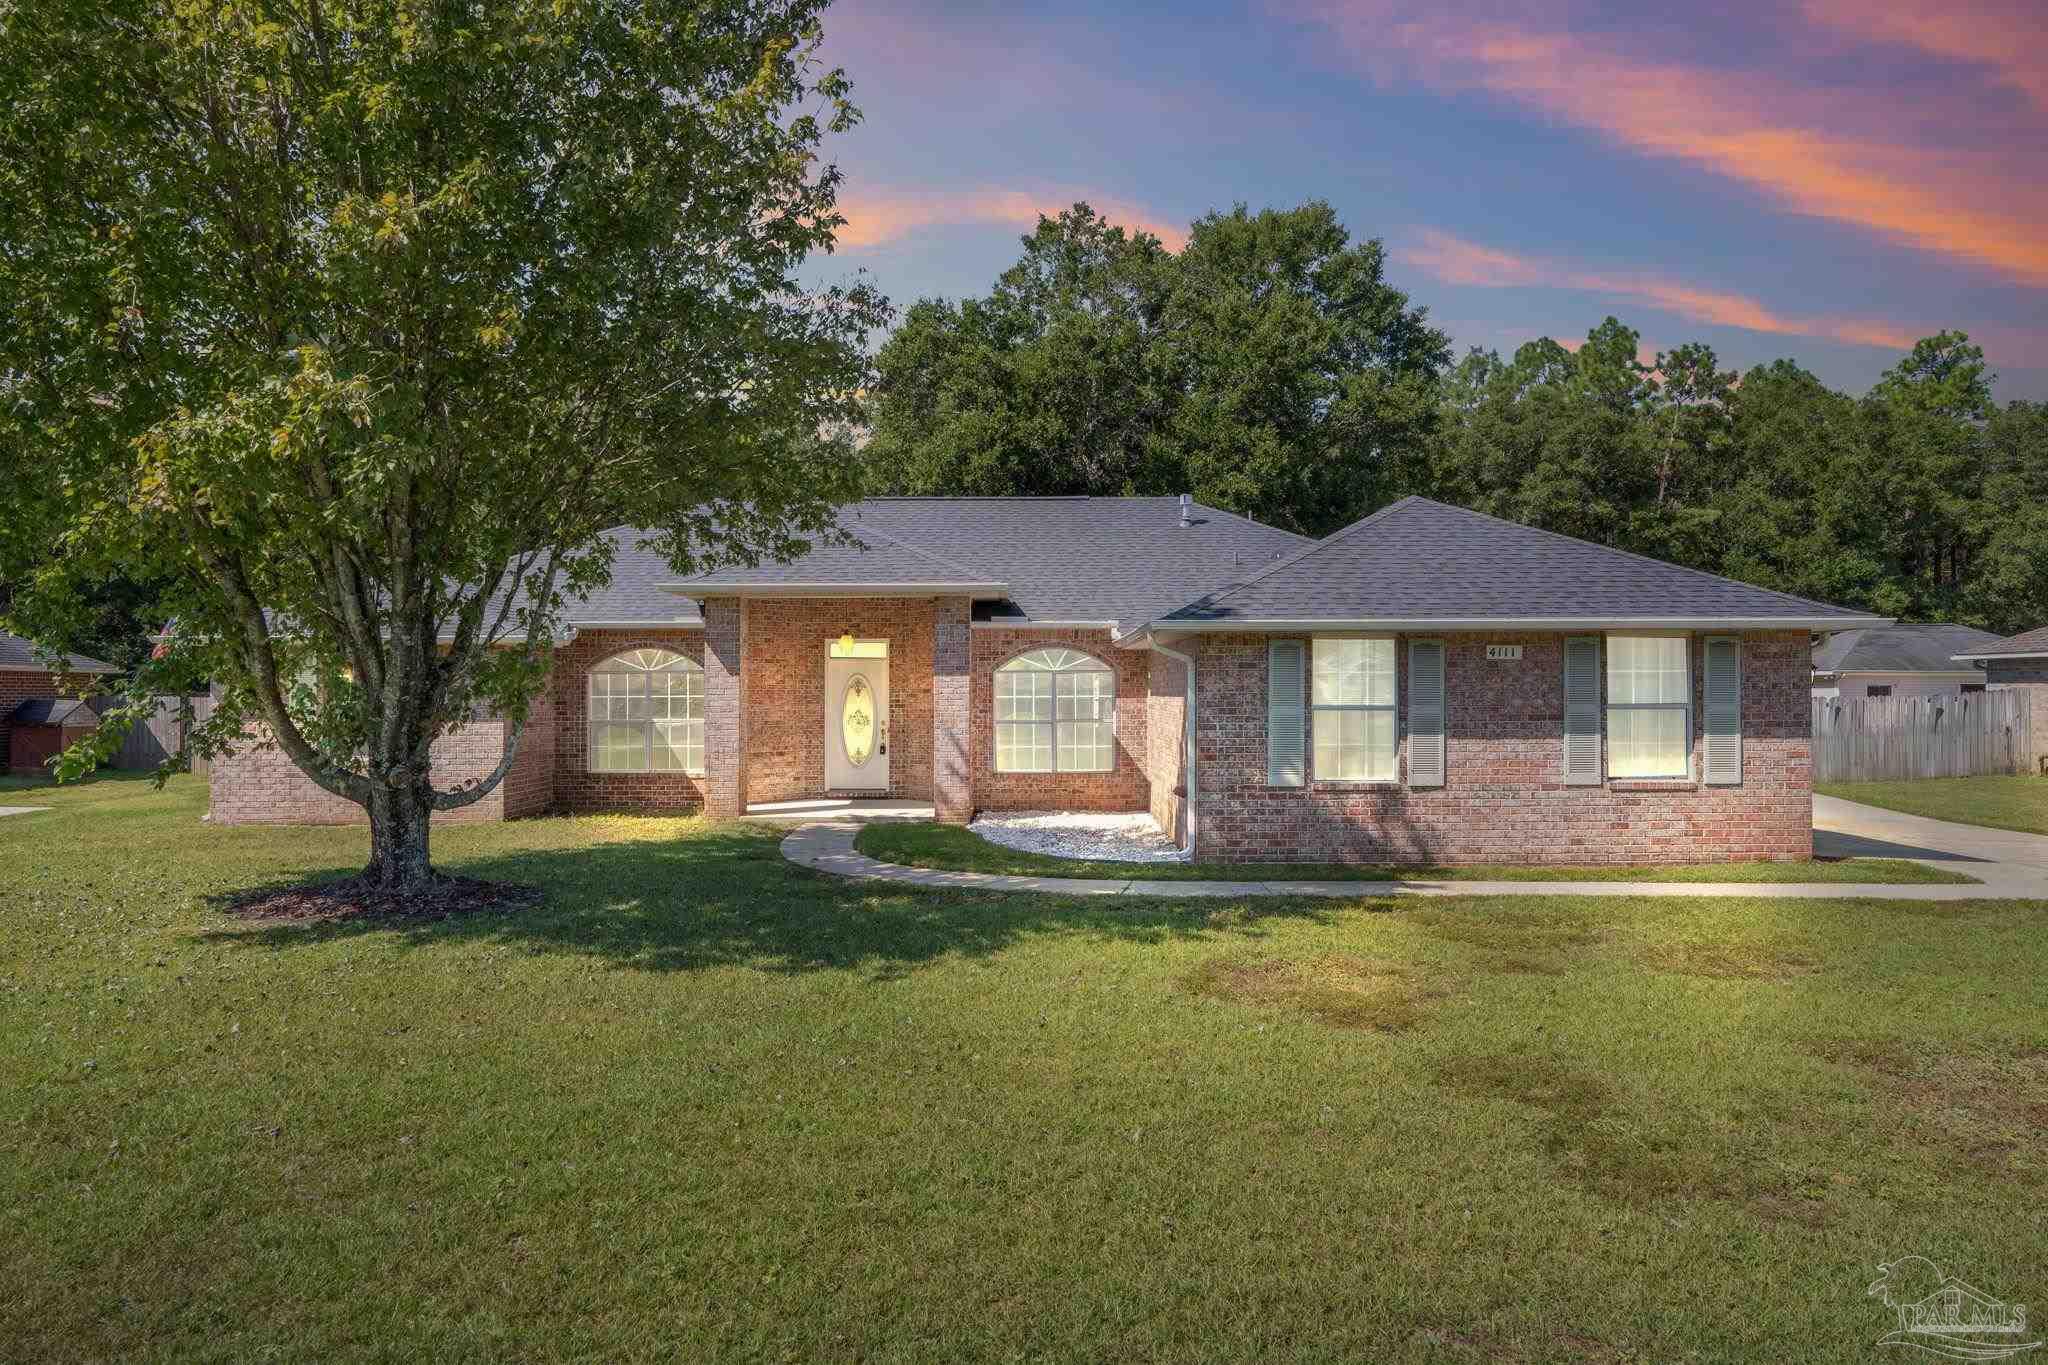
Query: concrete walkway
[2009, 866]
[21, 810]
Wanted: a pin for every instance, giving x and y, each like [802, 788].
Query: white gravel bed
[1131, 838]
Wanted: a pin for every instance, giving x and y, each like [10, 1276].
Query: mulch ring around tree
[360, 899]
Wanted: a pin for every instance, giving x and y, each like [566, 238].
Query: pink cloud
[1457, 261]
[2006, 37]
[879, 218]
[1831, 152]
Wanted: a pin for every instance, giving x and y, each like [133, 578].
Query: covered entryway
[857, 716]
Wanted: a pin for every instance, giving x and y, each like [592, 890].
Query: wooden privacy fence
[1890, 738]
[161, 735]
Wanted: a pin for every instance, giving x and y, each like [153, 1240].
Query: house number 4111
[1503, 651]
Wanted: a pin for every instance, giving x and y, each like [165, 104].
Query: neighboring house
[2018, 661]
[1903, 660]
[1428, 684]
[27, 676]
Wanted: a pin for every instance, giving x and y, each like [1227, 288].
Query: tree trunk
[399, 828]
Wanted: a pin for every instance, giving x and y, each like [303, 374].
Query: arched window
[647, 714]
[1055, 713]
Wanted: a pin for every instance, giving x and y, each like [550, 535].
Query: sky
[1824, 180]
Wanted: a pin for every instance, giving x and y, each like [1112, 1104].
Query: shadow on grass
[16, 783]
[729, 898]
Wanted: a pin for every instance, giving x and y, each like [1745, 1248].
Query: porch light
[846, 645]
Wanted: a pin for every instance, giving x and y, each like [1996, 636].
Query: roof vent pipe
[1187, 509]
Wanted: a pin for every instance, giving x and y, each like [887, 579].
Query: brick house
[2018, 661]
[26, 676]
[1909, 659]
[1428, 684]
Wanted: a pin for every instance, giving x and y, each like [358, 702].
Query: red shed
[43, 727]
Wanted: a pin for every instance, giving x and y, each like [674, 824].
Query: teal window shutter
[1724, 711]
[1582, 766]
[1286, 688]
[1426, 713]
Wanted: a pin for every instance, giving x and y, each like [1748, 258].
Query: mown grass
[704, 1105]
[2019, 803]
[952, 848]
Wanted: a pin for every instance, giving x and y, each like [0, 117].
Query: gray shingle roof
[1426, 562]
[54, 711]
[2027, 644]
[1130, 561]
[1039, 559]
[637, 594]
[16, 652]
[1922, 647]
[878, 558]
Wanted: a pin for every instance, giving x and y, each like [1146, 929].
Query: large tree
[355, 323]
[1551, 437]
[1921, 500]
[1267, 367]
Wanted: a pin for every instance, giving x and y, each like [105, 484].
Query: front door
[857, 724]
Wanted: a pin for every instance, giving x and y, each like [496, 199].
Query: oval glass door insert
[857, 720]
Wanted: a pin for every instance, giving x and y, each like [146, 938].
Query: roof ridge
[921, 552]
[1288, 561]
[1251, 521]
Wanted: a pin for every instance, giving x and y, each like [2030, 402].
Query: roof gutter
[1023, 623]
[1187, 662]
[64, 668]
[1994, 658]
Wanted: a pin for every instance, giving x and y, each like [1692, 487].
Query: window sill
[1346, 784]
[1652, 784]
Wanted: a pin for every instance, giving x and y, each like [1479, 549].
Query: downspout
[1187, 662]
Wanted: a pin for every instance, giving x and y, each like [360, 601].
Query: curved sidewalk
[2008, 870]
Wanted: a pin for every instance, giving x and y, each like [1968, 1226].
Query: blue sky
[1823, 180]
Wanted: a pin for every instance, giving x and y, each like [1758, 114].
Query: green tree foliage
[354, 323]
[1923, 500]
[1267, 367]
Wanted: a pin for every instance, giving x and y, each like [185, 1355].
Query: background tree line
[1270, 369]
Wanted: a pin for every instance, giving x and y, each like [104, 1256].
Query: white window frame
[1053, 662]
[1392, 707]
[642, 666]
[1608, 706]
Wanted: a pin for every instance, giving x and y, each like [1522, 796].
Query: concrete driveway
[2004, 860]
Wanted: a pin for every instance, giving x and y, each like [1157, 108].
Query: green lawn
[704, 1105]
[950, 848]
[1997, 802]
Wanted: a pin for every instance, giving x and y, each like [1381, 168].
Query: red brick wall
[953, 711]
[259, 785]
[1504, 800]
[574, 787]
[2031, 676]
[784, 664]
[530, 785]
[1165, 742]
[18, 686]
[725, 708]
[1125, 787]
